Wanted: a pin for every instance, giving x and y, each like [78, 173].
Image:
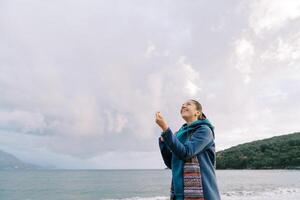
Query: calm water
[141, 184]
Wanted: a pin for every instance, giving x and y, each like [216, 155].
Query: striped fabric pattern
[192, 181]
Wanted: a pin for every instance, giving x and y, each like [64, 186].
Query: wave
[144, 198]
[274, 194]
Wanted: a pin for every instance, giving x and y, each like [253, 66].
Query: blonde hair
[199, 108]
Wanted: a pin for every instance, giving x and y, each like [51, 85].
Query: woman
[190, 154]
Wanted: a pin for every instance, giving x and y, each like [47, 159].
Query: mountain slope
[9, 162]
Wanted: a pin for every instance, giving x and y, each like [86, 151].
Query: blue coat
[175, 150]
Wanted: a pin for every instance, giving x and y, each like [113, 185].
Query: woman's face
[188, 110]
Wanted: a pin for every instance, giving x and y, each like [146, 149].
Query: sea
[141, 184]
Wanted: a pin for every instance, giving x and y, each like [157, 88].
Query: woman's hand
[161, 121]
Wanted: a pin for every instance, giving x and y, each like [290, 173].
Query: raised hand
[161, 122]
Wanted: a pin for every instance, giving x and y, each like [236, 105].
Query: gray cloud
[81, 81]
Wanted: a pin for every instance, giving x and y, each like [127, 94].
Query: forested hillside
[279, 152]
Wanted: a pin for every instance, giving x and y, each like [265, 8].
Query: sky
[80, 81]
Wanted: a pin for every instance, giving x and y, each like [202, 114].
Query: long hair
[199, 108]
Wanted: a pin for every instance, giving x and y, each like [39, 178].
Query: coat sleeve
[165, 152]
[200, 139]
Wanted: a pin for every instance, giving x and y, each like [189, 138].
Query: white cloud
[254, 53]
[191, 76]
[192, 88]
[267, 15]
[244, 54]
[150, 49]
[244, 49]
[284, 50]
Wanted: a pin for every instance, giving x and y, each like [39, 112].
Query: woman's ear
[199, 115]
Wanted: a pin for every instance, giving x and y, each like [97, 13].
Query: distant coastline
[10, 162]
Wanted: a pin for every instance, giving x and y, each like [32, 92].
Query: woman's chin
[184, 117]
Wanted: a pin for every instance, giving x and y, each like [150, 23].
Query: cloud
[284, 50]
[23, 121]
[80, 82]
[270, 15]
[244, 52]
[255, 53]
[150, 49]
[192, 77]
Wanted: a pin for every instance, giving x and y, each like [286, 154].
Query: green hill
[279, 152]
